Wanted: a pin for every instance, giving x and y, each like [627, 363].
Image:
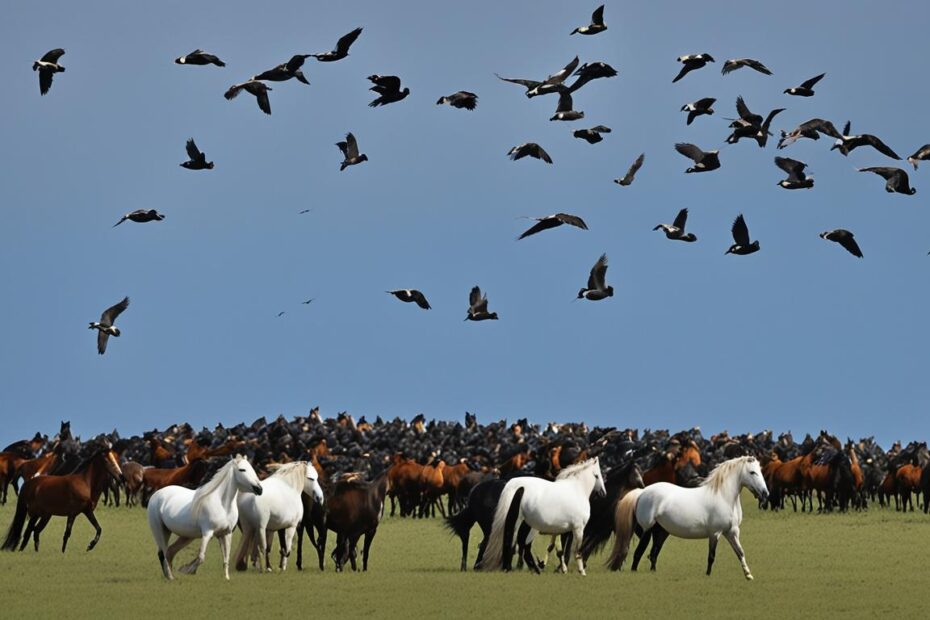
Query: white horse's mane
[214, 483]
[574, 470]
[293, 474]
[718, 477]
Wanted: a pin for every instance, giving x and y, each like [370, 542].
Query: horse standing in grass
[355, 509]
[278, 509]
[44, 497]
[706, 511]
[209, 511]
[547, 507]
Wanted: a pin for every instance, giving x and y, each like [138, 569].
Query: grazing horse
[278, 509]
[355, 509]
[209, 511]
[546, 507]
[44, 497]
[706, 511]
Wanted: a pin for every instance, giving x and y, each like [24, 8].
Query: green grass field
[853, 564]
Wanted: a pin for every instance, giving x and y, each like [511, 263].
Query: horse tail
[15, 532]
[460, 523]
[494, 551]
[624, 523]
[510, 522]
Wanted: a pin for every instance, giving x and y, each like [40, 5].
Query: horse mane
[207, 488]
[574, 470]
[717, 478]
[293, 474]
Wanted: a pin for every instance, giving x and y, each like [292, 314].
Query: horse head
[312, 484]
[751, 477]
[246, 479]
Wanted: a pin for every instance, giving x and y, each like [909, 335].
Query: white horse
[278, 508]
[546, 507]
[706, 511]
[209, 511]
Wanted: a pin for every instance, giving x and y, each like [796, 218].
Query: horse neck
[95, 475]
[731, 485]
[228, 490]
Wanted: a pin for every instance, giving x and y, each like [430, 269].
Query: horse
[155, 478]
[134, 474]
[9, 463]
[547, 507]
[432, 486]
[44, 497]
[706, 511]
[355, 508]
[209, 511]
[479, 508]
[278, 508]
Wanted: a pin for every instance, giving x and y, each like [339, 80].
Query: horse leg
[321, 543]
[225, 541]
[577, 538]
[566, 554]
[526, 548]
[711, 551]
[38, 530]
[93, 521]
[67, 535]
[369, 536]
[287, 542]
[29, 529]
[191, 567]
[261, 541]
[300, 545]
[245, 546]
[352, 550]
[465, 537]
[644, 538]
[733, 537]
[659, 536]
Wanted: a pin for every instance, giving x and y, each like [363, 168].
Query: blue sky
[798, 336]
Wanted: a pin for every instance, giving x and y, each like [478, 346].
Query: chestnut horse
[432, 486]
[154, 478]
[9, 463]
[63, 496]
[674, 460]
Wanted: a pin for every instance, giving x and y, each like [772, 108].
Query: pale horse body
[210, 511]
[546, 507]
[707, 511]
[278, 508]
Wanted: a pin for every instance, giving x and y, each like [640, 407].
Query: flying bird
[141, 216]
[350, 155]
[703, 161]
[698, 108]
[282, 313]
[306, 302]
[564, 111]
[302, 211]
[551, 84]
[530, 149]
[738, 63]
[388, 89]
[692, 62]
[342, 47]
[846, 143]
[591, 71]
[259, 89]
[741, 245]
[921, 154]
[478, 307]
[896, 180]
[592, 135]
[597, 23]
[461, 99]
[48, 66]
[845, 239]
[199, 57]
[795, 171]
[408, 295]
[810, 129]
[750, 125]
[806, 89]
[553, 221]
[630, 175]
[196, 159]
[676, 230]
[286, 71]
[597, 288]
[105, 327]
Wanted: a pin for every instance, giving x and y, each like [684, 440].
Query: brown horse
[432, 485]
[675, 459]
[452, 477]
[196, 451]
[63, 496]
[355, 509]
[9, 463]
[404, 477]
[787, 481]
[133, 473]
[154, 478]
[907, 482]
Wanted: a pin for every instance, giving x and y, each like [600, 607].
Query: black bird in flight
[676, 230]
[698, 108]
[597, 288]
[846, 143]
[630, 175]
[553, 221]
[478, 307]
[592, 135]
[388, 89]
[597, 23]
[692, 62]
[703, 161]
[741, 245]
[196, 159]
[141, 216]
[552, 84]
[738, 63]
[529, 149]
[896, 180]
[48, 66]
[350, 155]
[408, 295]
[462, 100]
[845, 239]
[342, 47]
[795, 170]
[259, 89]
[806, 89]
[199, 57]
[286, 71]
[105, 327]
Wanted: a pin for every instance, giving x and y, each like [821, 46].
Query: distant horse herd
[574, 485]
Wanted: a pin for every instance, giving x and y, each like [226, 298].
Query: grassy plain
[857, 565]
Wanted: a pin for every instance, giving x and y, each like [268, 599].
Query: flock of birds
[389, 91]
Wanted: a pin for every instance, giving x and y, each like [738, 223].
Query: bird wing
[731, 65]
[542, 154]
[758, 66]
[109, 315]
[768, 119]
[565, 102]
[598, 274]
[818, 124]
[102, 339]
[597, 17]
[529, 84]
[53, 55]
[351, 146]
[558, 78]
[45, 80]
[847, 128]
[474, 297]
[848, 241]
[386, 82]
[420, 299]
[233, 91]
[740, 231]
[295, 63]
[263, 102]
[342, 46]
[477, 302]
[810, 83]
[572, 220]
[681, 219]
[880, 146]
[192, 151]
[542, 223]
[792, 167]
[684, 71]
[743, 110]
[705, 103]
[601, 129]
[690, 151]
[882, 171]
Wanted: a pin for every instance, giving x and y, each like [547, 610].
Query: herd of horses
[578, 487]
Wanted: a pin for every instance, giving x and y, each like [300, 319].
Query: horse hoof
[749, 577]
